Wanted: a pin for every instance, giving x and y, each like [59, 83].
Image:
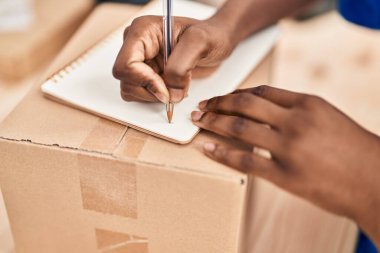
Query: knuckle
[123, 70]
[297, 123]
[288, 145]
[247, 162]
[310, 101]
[260, 90]
[301, 119]
[117, 71]
[209, 119]
[290, 150]
[126, 31]
[221, 154]
[282, 146]
[302, 99]
[141, 25]
[198, 37]
[239, 126]
[213, 103]
[140, 21]
[282, 141]
[198, 34]
[243, 100]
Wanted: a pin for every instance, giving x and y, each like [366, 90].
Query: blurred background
[318, 49]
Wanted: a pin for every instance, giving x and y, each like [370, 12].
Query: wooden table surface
[324, 56]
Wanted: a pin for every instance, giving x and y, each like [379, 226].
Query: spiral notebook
[88, 84]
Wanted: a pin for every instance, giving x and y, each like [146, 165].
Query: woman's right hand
[199, 47]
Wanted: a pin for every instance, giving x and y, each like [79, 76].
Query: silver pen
[168, 44]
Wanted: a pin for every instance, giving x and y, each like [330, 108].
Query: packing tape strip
[104, 137]
[132, 144]
[113, 138]
[108, 186]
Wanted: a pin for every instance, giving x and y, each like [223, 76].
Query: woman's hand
[200, 46]
[318, 153]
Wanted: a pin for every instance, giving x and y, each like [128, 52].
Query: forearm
[241, 18]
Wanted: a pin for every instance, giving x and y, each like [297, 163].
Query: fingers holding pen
[188, 52]
[139, 74]
[141, 63]
[132, 93]
[137, 62]
[200, 46]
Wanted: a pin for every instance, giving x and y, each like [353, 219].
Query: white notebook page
[88, 83]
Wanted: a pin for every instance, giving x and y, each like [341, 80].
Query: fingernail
[164, 99]
[196, 115]
[160, 96]
[209, 147]
[176, 95]
[202, 105]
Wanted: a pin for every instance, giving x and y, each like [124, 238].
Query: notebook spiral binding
[61, 74]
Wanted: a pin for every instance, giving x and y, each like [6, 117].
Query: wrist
[228, 23]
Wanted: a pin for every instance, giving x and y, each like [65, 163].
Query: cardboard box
[73, 182]
[21, 53]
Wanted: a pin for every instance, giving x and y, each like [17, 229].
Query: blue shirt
[364, 13]
[365, 245]
[361, 12]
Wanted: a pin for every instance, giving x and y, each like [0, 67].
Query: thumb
[189, 50]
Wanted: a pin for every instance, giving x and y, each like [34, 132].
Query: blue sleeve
[361, 12]
[365, 245]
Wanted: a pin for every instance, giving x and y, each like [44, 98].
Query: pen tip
[169, 111]
[170, 116]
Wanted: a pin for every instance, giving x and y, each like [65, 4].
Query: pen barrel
[168, 22]
[168, 43]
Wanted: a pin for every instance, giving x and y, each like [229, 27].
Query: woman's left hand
[318, 153]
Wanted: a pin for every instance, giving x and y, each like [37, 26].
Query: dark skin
[317, 152]
[200, 46]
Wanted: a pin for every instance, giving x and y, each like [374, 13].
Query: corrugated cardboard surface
[64, 196]
[55, 21]
[73, 182]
